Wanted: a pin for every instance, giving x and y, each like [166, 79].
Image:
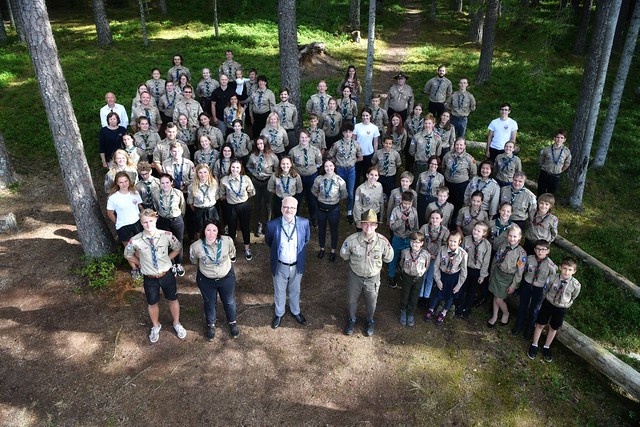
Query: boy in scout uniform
[461, 103]
[379, 116]
[554, 160]
[307, 159]
[366, 251]
[150, 253]
[319, 102]
[147, 185]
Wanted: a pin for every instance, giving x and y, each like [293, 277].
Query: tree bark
[216, 26]
[163, 7]
[92, 229]
[145, 39]
[15, 13]
[289, 55]
[588, 107]
[488, 40]
[459, 6]
[371, 37]
[10, 9]
[434, 10]
[3, 30]
[354, 20]
[583, 28]
[618, 88]
[102, 23]
[7, 172]
[476, 10]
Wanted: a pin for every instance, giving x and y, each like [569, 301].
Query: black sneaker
[532, 352]
[370, 329]
[211, 332]
[546, 354]
[233, 329]
[350, 219]
[348, 330]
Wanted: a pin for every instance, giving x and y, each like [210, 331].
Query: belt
[288, 265]
[151, 276]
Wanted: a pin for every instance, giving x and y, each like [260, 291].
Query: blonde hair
[211, 181]
[126, 155]
[149, 213]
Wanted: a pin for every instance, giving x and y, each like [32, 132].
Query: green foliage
[100, 272]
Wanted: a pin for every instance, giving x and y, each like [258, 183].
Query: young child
[435, 235]
[479, 250]
[561, 291]
[507, 164]
[499, 226]
[403, 221]
[379, 116]
[523, 202]
[395, 198]
[388, 162]
[414, 262]
[536, 271]
[470, 215]
[445, 208]
[554, 160]
[506, 274]
[542, 224]
[369, 195]
[449, 273]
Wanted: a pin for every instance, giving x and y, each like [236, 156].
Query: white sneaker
[154, 336]
[179, 270]
[259, 232]
[180, 331]
[248, 255]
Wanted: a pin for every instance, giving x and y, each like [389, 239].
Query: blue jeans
[460, 124]
[210, 288]
[425, 292]
[398, 244]
[312, 202]
[349, 176]
[330, 213]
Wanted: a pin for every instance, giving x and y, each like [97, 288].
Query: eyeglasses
[541, 249]
[187, 91]
[291, 208]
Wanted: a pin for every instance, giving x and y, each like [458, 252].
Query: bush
[100, 272]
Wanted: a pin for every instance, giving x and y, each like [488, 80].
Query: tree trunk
[92, 229]
[102, 23]
[354, 20]
[15, 12]
[10, 9]
[486, 53]
[588, 107]
[618, 88]
[163, 7]
[371, 37]
[434, 10]
[583, 28]
[289, 55]
[459, 6]
[7, 173]
[476, 10]
[145, 39]
[216, 27]
[3, 31]
[621, 25]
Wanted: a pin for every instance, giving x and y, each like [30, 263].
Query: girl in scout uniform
[424, 145]
[170, 204]
[332, 123]
[345, 153]
[187, 134]
[347, 106]
[206, 155]
[239, 140]
[262, 164]
[459, 167]
[286, 181]
[414, 126]
[351, 81]
[479, 250]
[156, 85]
[436, 235]
[507, 164]
[542, 224]
[554, 160]
[202, 196]
[236, 188]
[329, 189]
[369, 195]
[388, 161]
[232, 112]
[395, 199]
[447, 132]
[470, 215]
[427, 186]
[121, 163]
[398, 133]
[488, 186]
[134, 153]
[146, 139]
[215, 134]
[276, 135]
[221, 169]
[182, 83]
[414, 262]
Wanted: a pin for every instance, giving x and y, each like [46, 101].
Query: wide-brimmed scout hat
[401, 75]
[369, 216]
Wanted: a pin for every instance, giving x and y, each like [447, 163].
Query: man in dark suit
[287, 237]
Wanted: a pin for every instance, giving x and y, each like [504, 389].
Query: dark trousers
[468, 291]
[175, 226]
[493, 153]
[312, 202]
[449, 281]
[388, 184]
[548, 183]
[410, 290]
[530, 301]
[259, 123]
[362, 167]
[239, 213]
[331, 214]
[456, 197]
[262, 200]
[210, 288]
[200, 215]
[436, 108]
[423, 202]
[409, 160]
[460, 123]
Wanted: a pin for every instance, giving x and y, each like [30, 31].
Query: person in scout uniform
[189, 107]
[147, 184]
[319, 102]
[151, 252]
[307, 159]
[554, 160]
[146, 139]
[229, 66]
[424, 145]
[366, 251]
[162, 152]
[379, 116]
[168, 101]
[288, 117]
[235, 189]
[173, 75]
[170, 205]
[521, 199]
[329, 189]
[263, 102]
[507, 164]
[461, 103]
[388, 161]
[332, 123]
[145, 109]
[439, 89]
[205, 88]
[459, 167]
[345, 153]
[400, 97]
[318, 137]
[262, 163]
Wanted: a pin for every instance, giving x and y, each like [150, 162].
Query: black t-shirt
[221, 98]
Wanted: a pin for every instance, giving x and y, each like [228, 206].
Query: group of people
[450, 221]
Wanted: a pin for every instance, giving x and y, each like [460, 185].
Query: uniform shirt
[146, 190]
[459, 168]
[541, 227]
[467, 220]
[240, 143]
[202, 196]
[233, 113]
[236, 190]
[147, 142]
[414, 126]
[402, 223]
[536, 272]
[168, 103]
[511, 261]
[434, 238]
[366, 256]
[395, 199]
[424, 146]
[414, 265]
[135, 103]
[288, 114]
[387, 163]
[173, 75]
[153, 251]
[345, 153]
[450, 262]
[399, 140]
[380, 118]
[187, 134]
[318, 104]
[190, 108]
[182, 171]
[523, 202]
[278, 138]
[562, 293]
[206, 87]
[318, 138]
[109, 178]
[479, 254]
[206, 157]
[367, 197]
[502, 130]
[428, 183]
[329, 189]
[213, 261]
[285, 185]
[229, 68]
[331, 123]
[150, 112]
[348, 108]
[125, 206]
[221, 168]
[447, 136]
[119, 110]
[306, 159]
[135, 154]
[461, 103]
[399, 99]
[156, 88]
[438, 88]
[489, 189]
[262, 101]
[553, 160]
[446, 210]
[498, 232]
[262, 165]
[507, 166]
[215, 134]
[170, 205]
